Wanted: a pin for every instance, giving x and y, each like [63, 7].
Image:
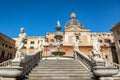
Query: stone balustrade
[19, 68]
[84, 59]
[102, 70]
[6, 63]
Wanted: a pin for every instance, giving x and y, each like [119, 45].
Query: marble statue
[21, 43]
[58, 23]
[58, 45]
[96, 44]
[75, 42]
[40, 45]
[96, 49]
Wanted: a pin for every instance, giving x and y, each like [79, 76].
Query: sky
[41, 16]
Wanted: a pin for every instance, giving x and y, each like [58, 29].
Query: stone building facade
[116, 32]
[7, 48]
[74, 28]
[31, 45]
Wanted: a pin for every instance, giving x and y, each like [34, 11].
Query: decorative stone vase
[58, 53]
[10, 72]
[102, 71]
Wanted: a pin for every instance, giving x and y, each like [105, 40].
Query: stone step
[59, 67]
[58, 60]
[59, 72]
[58, 64]
[68, 69]
[59, 75]
[59, 78]
[48, 61]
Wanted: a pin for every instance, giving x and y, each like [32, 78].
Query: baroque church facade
[73, 28]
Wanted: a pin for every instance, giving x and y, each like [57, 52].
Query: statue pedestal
[8, 78]
[100, 64]
[117, 77]
[16, 62]
[106, 78]
[104, 71]
[10, 73]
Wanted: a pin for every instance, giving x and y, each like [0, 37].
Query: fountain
[58, 36]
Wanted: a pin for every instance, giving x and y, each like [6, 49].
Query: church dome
[73, 20]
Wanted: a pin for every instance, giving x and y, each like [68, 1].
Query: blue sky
[40, 16]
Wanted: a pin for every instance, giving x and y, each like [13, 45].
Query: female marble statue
[21, 43]
[96, 49]
[75, 42]
[96, 44]
[40, 45]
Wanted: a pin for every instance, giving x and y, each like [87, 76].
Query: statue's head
[22, 30]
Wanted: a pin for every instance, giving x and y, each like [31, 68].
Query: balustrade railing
[6, 63]
[84, 59]
[29, 62]
[113, 64]
[109, 70]
[18, 68]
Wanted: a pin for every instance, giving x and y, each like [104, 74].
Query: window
[31, 47]
[52, 40]
[77, 37]
[10, 47]
[24, 47]
[32, 42]
[106, 56]
[118, 31]
[3, 44]
[10, 55]
[3, 54]
[6, 45]
[119, 42]
[100, 40]
[25, 42]
[107, 40]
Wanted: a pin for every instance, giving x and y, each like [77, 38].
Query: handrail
[20, 67]
[6, 63]
[84, 59]
[113, 64]
[29, 62]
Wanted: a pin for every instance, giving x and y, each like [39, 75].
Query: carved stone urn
[104, 71]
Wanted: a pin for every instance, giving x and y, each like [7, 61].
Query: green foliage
[58, 53]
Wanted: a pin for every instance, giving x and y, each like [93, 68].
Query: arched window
[107, 40]
[52, 40]
[3, 54]
[119, 42]
[24, 47]
[32, 42]
[10, 55]
[100, 40]
[31, 47]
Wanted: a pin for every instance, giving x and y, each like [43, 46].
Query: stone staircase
[59, 70]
